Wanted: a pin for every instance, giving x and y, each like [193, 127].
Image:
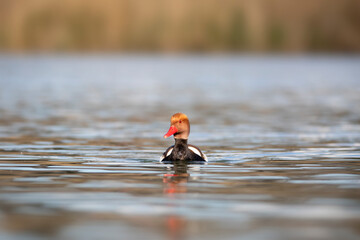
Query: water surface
[80, 139]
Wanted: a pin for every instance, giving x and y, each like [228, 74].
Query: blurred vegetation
[180, 25]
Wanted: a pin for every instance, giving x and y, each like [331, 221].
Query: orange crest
[178, 117]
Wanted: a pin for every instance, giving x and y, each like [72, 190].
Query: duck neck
[180, 143]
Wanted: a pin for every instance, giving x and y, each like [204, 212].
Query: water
[80, 139]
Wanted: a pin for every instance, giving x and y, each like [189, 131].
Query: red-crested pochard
[181, 151]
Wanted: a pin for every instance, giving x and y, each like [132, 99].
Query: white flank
[197, 152]
[167, 154]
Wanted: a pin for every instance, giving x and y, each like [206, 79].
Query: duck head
[179, 126]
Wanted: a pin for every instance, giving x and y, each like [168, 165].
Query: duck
[181, 151]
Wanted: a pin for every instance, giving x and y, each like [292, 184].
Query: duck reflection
[176, 182]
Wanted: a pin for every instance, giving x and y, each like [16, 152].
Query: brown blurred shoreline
[214, 26]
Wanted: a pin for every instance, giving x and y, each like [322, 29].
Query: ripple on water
[80, 142]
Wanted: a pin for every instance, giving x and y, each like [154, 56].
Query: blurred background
[271, 88]
[180, 25]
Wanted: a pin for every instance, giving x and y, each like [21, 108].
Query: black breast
[181, 152]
